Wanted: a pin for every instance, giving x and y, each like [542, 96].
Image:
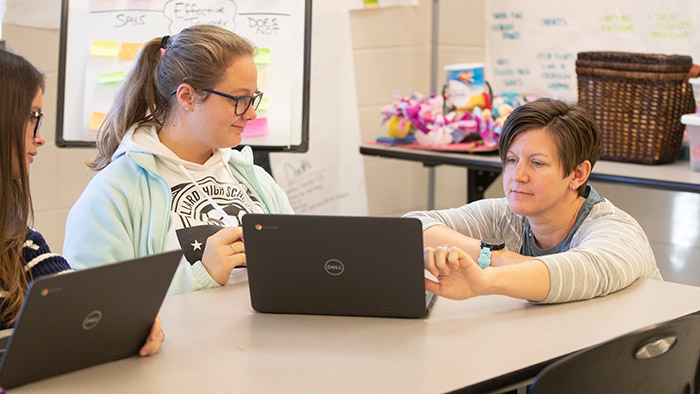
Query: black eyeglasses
[242, 102]
[37, 116]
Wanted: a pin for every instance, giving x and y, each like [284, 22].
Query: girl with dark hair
[553, 238]
[24, 254]
[168, 177]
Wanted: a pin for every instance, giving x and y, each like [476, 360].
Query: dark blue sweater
[39, 261]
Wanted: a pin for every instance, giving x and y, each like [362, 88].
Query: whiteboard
[531, 46]
[100, 38]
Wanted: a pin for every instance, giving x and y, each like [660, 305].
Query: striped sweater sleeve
[608, 253]
[38, 257]
[488, 218]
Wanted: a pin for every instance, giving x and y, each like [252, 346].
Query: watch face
[493, 243]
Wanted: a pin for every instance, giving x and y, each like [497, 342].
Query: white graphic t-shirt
[193, 217]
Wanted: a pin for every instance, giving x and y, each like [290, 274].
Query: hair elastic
[164, 42]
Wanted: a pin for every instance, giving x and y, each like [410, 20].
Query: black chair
[660, 359]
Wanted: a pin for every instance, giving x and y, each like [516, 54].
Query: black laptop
[78, 319]
[336, 265]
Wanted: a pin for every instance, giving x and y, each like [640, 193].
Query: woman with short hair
[552, 238]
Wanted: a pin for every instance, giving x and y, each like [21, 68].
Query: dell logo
[334, 267]
[92, 320]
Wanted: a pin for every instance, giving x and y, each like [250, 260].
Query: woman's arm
[460, 277]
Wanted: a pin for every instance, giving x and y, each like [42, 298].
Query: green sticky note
[263, 105]
[111, 77]
[262, 56]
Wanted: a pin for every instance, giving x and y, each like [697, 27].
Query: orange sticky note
[104, 48]
[96, 120]
[256, 128]
[129, 50]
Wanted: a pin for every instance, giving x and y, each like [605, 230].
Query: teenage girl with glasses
[168, 177]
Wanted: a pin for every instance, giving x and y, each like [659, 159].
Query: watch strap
[484, 257]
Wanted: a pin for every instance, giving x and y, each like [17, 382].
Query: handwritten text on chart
[305, 187]
[616, 23]
[557, 70]
[505, 23]
[553, 22]
[130, 19]
[670, 26]
[184, 14]
[511, 76]
[181, 14]
[264, 26]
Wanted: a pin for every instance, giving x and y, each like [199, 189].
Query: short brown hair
[574, 130]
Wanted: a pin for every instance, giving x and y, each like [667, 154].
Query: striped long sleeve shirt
[607, 252]
[39, 261]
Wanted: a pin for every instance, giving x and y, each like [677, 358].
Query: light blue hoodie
[124, 212]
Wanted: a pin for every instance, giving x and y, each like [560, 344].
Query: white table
[216, 342]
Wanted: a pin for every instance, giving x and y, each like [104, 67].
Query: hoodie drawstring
[224, 215]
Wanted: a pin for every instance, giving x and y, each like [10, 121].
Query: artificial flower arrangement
[426, 121]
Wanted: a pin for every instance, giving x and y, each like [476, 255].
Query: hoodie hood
[142, 144]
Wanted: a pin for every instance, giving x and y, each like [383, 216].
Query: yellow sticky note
[111, 77]
[96, 120]
[262, 56]
[263, 104]
[129, 50]
[104, 48]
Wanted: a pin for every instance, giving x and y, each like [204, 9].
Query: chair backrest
[658, 359]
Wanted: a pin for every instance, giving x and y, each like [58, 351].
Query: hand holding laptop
[155, 338]
[223, 251]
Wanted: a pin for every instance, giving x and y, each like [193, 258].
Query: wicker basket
[637, 99]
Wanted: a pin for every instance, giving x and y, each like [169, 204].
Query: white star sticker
[196, 245]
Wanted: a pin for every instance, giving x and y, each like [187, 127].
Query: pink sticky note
[256, 128]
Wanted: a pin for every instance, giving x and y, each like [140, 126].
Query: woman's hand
[459, 276]
[223, 251]
[154, 340]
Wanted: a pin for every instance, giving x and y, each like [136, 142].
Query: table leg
[477, 183]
